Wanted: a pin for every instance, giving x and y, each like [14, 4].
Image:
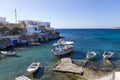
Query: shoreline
[98, 73]
[89, 69]
[89, 74]
[92, 69]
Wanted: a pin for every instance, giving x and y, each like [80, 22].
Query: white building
[2, 20]
[46, 24]
[35, 26]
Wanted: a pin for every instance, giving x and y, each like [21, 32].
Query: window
[35, 29]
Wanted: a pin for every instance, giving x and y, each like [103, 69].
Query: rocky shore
[16, 34]
[66, 65]
[4, 43]
[91, 72]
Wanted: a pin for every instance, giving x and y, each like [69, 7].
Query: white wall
[2, 19]
[46, 24]
[31, 25]
[31, 29]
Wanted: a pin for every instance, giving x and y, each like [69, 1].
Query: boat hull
[34, 44]
[63, 52]
[32, 70]
[107, 56]
[91, 55]
[33, 67]
[91, 58]
[8, 53]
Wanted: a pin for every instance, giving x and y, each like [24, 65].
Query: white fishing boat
[107, 55]
[90, 55]
[8, 53]
[33, 67]
[62, 47]
[34, 43]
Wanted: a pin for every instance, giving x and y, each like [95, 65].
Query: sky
[64, 13]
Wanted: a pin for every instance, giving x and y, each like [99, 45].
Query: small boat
[90, 55]
[33, 67]
[107, 55]
[8, 53]
[62, 47]
[34, 43]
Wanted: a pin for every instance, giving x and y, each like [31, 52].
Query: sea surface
[98, 40]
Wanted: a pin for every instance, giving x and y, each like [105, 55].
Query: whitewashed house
[35, 26]
[43, 29]
[2, 20]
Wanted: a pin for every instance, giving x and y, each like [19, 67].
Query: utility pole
[15, 16]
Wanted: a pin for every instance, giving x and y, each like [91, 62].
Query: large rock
[66, 65]
[4, 43]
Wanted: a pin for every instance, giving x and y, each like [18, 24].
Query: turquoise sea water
[97, 40]
[11, 67]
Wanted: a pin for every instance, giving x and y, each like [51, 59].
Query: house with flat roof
[35, 26]
[2, 20]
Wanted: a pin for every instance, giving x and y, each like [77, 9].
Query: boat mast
[15, 16]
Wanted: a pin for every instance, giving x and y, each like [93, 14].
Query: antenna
[15, 16]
